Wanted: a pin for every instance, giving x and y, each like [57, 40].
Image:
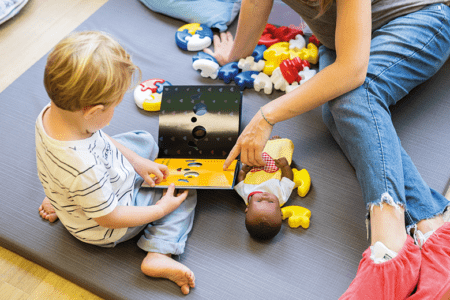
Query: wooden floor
[24, 39]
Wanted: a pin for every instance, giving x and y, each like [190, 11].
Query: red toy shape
[151, 84]
[272, 35]
[313, 39]
[290, 68]
[285, 34]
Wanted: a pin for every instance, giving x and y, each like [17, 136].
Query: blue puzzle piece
[161, 86]
[258, 53]
[245, 80]
[205, 31]
[228, 72]
[180, 38]
[203, 55]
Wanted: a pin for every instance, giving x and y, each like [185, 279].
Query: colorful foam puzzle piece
[249, 64]
[272, 35]
[302, 181]
[161, 86]
[245, 79]
[279, 83]
[207, 64]
[310, 53]
[297, 43]
[258, 53]
[262, 82]
[228, 72]
[267, 38]
[274, 55]
[297, 216]
[306, 74]
[313, 39]
[285, 34]
[290, 68]
[148, 94]
[193, 37]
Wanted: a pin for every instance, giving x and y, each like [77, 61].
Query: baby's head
[86, 69]
[263, 215]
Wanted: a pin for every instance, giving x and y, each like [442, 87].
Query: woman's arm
[353, 35]
[253, 18]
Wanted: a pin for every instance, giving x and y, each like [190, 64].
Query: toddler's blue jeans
[169, 234]
[404, 53]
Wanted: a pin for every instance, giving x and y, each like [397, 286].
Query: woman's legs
[360, 120]
[404, 53]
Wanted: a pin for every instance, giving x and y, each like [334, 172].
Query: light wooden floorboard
[24, 39]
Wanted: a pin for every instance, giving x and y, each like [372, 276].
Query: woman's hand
[251, 143]
[152, 172]
[222, 48]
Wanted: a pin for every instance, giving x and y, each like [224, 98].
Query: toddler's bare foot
[163, 265]
[47, 211]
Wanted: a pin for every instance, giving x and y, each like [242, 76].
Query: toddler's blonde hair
[86, 69]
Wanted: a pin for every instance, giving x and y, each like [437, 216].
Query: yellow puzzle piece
[310, 53]
[191, 27]
[302, 181]
[298, 216]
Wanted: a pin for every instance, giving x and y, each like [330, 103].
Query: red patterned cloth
[270, 166]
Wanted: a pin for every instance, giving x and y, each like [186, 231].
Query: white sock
[421, 238]
[381, 253]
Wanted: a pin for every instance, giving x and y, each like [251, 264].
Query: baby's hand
[169, 202]
[152, 172]
[246, 168]
[281, 162]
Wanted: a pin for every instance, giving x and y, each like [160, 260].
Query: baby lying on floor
[266, 189]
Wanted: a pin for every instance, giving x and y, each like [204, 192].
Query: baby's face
[266, 203]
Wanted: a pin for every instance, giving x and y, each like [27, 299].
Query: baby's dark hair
[262, 229]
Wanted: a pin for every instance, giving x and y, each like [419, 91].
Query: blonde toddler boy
[92, 181]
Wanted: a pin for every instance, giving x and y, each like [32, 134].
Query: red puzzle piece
[272, 35]
[151, 84]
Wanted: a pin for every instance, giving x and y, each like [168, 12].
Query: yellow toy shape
[298, 216]
[310, 53]
[274, 55]
[302, 181]
[153, 104]
[191, 27]
[276, 148]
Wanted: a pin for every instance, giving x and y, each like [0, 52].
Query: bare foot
[47, 211]
[163, 265]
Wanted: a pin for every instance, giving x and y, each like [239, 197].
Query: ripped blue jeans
[404, 53]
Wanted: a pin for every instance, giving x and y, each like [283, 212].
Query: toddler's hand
[152, 172]
[169, 202]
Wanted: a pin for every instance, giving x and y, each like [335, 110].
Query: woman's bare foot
[47, 211]
[163, 265]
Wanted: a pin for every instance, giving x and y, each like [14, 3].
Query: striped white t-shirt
[84, 179]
